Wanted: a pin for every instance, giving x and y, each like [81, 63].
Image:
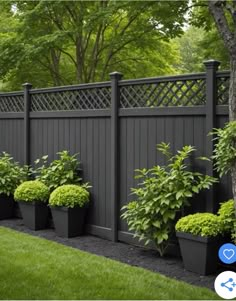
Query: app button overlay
[227, 253]
[225, 285]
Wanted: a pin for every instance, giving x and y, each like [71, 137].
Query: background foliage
[52, 43]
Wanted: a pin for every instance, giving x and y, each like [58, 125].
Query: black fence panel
[12, 137]
[115, 126]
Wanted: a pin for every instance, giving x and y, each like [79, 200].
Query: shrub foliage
[225, 148]
[225, 159]
[59, 172]
[11, 174]
[163, 191]
[226, 214]
[30, 191]
[202, 224]
[69, 196]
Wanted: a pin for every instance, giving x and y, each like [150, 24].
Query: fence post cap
[27, 85]
[116, 74]
[212, 63]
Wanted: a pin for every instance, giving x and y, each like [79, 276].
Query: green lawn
[34, 268]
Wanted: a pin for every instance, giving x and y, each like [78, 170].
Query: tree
[190, 52]
[82, 41]
[197, 45]
[212, 46]
[224, 14]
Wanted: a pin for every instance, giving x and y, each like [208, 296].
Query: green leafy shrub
[225, 159]
[11, 174]
[59, 172]
[30, 191]
[69, 196]
[201, 224]
[164, 190]
[226, 214]
[225, 150]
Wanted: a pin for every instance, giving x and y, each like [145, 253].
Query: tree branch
[69, 55]
[49, 68]
[217, 11]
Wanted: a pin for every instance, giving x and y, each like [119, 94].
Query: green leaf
[179, 194]
[156, 224]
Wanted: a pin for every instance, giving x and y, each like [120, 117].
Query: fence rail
[166, 91]
[115, 127]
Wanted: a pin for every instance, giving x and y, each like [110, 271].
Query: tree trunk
[55, 63]
[232, 115]
[232, 89]
[228, 34]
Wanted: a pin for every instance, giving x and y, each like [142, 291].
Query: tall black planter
[35, 214]
[68, 222]
[200, 254]
[6, 206]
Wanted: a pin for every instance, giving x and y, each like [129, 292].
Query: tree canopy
[52, 43]
[67, 42]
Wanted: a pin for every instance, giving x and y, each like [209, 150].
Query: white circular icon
[225, 285]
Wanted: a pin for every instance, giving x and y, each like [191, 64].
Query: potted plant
[11, 175]
[200, 235]
[68, 205]
[32, 197]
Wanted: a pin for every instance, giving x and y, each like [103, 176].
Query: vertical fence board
[160, 137]
[143, 142]
[95, 172]
[152, 141]
[11, 131]
[188, 130]
[83, 146]
[179, 132]
[108, 173]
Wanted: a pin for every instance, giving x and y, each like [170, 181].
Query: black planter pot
[6, 206]
[35, 214]
[68, 222]
[200, 254]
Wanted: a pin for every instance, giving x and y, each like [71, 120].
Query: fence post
[211, 95]
[27, 104]
[115, 103]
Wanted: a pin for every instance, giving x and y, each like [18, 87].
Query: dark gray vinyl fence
[115, 127]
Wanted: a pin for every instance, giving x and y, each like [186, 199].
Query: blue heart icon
[227, 253]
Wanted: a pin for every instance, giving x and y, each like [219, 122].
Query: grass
[35, 268]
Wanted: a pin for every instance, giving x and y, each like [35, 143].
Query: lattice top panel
[223, 90]
[12, 103]
[82, 99]
[164, 94]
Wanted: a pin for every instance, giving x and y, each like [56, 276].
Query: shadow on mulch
[132, 255]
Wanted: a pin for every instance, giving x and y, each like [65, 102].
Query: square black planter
[68, 222]
[6, 206]
[35, 214]
[200, 254]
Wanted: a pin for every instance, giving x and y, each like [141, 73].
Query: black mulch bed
[135, 256]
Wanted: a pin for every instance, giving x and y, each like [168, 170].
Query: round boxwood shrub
[69, 196]
[201, 224]
[30, 191]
